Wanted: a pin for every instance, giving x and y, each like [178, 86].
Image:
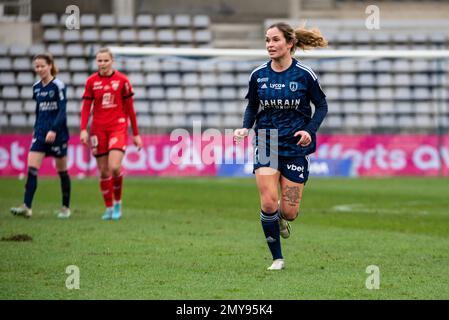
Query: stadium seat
[56, 49]
[208, 79]
[193, 107]
[7, 78]
[49, 20]
[18, 51]
[153, 79]
[79, 78]
[182, 21]
[125, 21]
[190, 79]
[74, 50]
[192, 93]
[88, 21]
[159, 107]
[203, 36]
[106, 21]
[52, 35]
[402, 79]
[140, 93]
[25, 78]
[146, 36]
[387, 121]
[78, 64]
[133, 65]
[18, 120]
[141, 107]
[13, 106]
[369, 121]
[90, 35]
[201, 21]
[170, 65]
[151, 65]
[184, 36]
[368, 93]
[128, 36]
[163, 21]
[176, 107]
[165, 36]
[136, 79]
[209, 93]
[71, 36]
[144, 21]
[109, 36]
[228, 93]
[174, 93]
[226, 79]
[10, 92]
[156, 93]
[171, 79]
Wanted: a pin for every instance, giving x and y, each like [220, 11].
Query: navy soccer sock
[30, 186]
[65, 188]
[270, 226]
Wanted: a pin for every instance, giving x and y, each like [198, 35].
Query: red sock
[118, 182]
[106, 190]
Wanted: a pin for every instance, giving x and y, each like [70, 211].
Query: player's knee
[116, 170]
[290, 214]
[269, 204]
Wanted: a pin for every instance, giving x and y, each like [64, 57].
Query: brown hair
[303, 38]
[49, 60]
[105, 50]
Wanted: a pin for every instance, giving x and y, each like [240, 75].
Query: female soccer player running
[50, 136]
[111, 94]
[279, 96]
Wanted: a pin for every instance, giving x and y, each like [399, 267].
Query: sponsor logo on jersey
[280, 103]
[295, 168]
[48, 105]
[112, 141]
[264, 86]
[277, 86]
[121, 120]
[98, 83]
[293, 86]
[115, 84]
[262, 79]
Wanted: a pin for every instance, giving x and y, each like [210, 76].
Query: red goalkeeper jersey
[112, 102]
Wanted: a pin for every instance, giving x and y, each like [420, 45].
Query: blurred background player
[283, 88]
[112, 96]
[50, 135]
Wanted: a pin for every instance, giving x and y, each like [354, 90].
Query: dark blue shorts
[56, 150]
[295, 169]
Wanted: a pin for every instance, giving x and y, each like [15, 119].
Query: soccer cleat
[64, 213]
[107, 214]
[117, 214]
[277, 264]
[22, 210]
[284, 228]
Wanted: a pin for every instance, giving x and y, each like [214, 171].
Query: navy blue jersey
[281, 101]
[51, 114]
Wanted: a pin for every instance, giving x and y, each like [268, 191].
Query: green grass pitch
[200, 238]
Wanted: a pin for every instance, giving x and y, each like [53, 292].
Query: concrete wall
[16, 33]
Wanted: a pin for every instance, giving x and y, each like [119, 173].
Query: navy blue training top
[51, 114]
[281, 101]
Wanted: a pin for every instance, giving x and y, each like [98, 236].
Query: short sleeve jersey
[283, 100]
[108, 94]
[51, 113]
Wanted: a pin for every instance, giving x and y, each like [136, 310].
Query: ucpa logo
[295, 168]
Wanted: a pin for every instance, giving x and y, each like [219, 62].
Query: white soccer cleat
[22, 210]
[277, 264]
[284, 228]
[64, 213]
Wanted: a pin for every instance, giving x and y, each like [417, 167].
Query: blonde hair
[105, 50]
[49, 60]
[302, 37]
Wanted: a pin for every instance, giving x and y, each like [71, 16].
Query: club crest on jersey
[293, 86]
[115, 84]
[51, 93]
